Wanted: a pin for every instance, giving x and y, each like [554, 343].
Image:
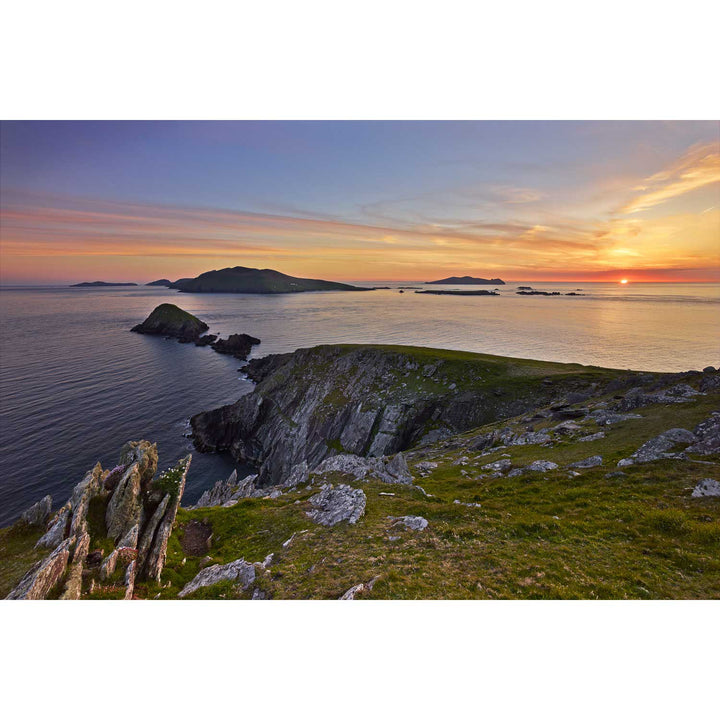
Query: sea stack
[169, 320]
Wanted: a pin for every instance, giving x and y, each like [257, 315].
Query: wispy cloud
[699, 167]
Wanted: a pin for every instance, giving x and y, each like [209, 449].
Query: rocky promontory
[100, 283]
[169, 320]
[159, 283]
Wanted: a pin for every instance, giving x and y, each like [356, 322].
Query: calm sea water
[75, 384]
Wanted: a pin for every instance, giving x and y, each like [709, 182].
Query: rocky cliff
[375, 401]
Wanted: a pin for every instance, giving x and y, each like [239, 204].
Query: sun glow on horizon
[624, 281]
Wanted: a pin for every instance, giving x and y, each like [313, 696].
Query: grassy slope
[551, 536]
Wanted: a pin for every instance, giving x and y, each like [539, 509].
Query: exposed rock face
[169, 320]
[707, 488]
[238, 346]
[241, 573]
[333, 505]
[367, 401]
[228, 492]
[637, 397]
[44, 575]
[38, 514]
[139, 513]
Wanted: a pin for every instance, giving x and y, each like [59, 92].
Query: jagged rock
[125, 506]
[360, 588]
[38, 514]
[498, 466]
[710, 382]
[590, 438]
[239, 572]
[590, 462]
[385, 469]
[708, 434]
[81, 496]
[143, 453]
[411, 522]
[57, 530]
[39, 581]
[228, 492]
[333, 505]
[707, 488]
[130, 580]
[149, 530]
[73, 584]
[155, 561]
[130, 539]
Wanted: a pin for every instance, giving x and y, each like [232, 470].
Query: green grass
[17, 555]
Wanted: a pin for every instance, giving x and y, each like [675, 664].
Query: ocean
[75, 384]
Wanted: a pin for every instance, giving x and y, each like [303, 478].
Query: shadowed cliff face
[376, 400]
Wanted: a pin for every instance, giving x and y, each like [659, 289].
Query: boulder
[411, 522]
[384, 469]
[333, 505]
[591, 462]
[707, 488]
[590, 438]
[541, 466]
[38, 514]
[498, 466]
[241, 573]
[660, 447]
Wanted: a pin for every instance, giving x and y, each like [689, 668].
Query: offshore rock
[333, 505]
[239, 572]
[238, 345]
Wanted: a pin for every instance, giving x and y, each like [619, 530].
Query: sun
[623, 281]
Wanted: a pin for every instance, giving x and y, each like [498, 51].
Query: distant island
[456, 292]
[160, 283]
[251, 280]
[100, 283]
[466, 280]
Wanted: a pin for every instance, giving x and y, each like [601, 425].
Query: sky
[574, 201]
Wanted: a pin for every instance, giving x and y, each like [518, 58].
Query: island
[455, 292]
[466, 280]
[159, 283]
[169, 320]
[253, 281]
[100, 283]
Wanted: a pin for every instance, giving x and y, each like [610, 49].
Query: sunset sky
[137, 201]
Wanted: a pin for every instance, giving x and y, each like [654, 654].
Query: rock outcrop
[707, 488]
[239, 572]
[661, 447]
[333, 505]
[410, 522]
[137, 512]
